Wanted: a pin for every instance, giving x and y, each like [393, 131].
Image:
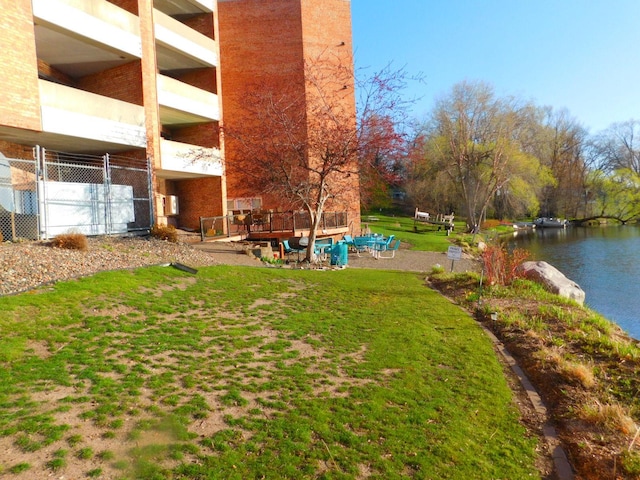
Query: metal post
[480, 292]
[41, 163]
[150, 194]
[106, 181]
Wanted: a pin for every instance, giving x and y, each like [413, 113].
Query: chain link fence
[18, 199]
[58, 192]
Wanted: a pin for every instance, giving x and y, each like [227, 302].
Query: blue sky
[582, 55]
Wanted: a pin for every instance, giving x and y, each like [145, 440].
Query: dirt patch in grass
[117, 408]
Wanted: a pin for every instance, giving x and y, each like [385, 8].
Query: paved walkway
[408, 260]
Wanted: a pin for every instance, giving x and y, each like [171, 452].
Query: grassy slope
[421, 236]
[308, 374]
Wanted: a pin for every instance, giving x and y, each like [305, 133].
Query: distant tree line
[485, 156]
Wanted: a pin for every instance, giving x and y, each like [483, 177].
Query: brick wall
[326, 27]
[328, 40]
[204, 78]
[122, 83]
[202, 23]
[48, 71]
[260, 43]
[149, 83]
[198, 197]
[204, 135]
[266, 42]
[130, 6]
[13, 150]
[19, 92]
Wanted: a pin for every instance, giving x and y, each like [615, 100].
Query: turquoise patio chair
[351, 244]
[361, 244]
[391, 248]
[287, 248]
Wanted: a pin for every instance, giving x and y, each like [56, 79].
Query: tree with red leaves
[306, 148]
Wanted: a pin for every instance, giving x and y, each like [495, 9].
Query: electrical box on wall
[171, 205]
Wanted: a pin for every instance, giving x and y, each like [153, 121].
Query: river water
[604, 261]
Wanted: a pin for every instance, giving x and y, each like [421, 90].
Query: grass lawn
[248, 373]
[421, 236]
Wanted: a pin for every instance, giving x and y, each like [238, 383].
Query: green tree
[616, 195]
[477, 140]
[561, 144]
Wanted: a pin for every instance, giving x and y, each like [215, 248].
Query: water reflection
[605, 262]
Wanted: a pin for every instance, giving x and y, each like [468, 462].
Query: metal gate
[18, 199]
[59, 192]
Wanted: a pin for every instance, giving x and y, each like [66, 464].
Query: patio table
[377, 244]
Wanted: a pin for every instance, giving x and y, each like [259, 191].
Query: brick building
[266, 44]
[146, 83]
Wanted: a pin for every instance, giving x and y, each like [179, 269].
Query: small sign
[454, 253]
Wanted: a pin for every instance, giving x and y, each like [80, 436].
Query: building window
[242, 205]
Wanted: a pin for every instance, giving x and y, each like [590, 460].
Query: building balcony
[183, 104]
[179, 47]
[182, 160]
[75, 113]
[80, 37]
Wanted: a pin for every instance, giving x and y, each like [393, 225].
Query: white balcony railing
[187, 99]
[96, 20]
[182, 159]
[183, 40]
[76, 113]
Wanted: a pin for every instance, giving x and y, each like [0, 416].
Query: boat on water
[550, 222]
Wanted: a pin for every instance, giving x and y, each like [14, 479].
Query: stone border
[561, 464]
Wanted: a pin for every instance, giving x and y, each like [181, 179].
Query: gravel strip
[28, 265]
[24, 266]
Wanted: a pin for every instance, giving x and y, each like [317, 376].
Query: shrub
[611, 416]
[436, 269]
[500, 266]
[579, 372]
[71, 241]
[489, 224]
[165, 232]
[20, 467]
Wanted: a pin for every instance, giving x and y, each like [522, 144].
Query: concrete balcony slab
[76, 113]
[182, 160]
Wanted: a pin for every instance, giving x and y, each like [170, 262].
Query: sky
[578, 55]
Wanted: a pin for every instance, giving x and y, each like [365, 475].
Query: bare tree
[561, 144]
[618, 147]
[305, 147]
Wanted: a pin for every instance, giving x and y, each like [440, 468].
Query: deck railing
[257, 223]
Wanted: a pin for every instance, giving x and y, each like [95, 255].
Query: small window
[246, 204]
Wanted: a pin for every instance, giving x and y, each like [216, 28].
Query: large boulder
[553, 280]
